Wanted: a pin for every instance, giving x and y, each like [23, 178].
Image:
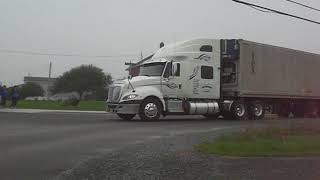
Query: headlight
[131, 96]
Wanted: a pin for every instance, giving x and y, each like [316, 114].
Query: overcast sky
[127, 27]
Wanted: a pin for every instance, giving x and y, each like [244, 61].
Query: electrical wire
[275, 11]
[65, 55]
[260, 9]
[298, 3]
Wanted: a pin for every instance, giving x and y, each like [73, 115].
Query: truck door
[204, 80]
[171, 81]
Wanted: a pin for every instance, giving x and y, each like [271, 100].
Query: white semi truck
[234, 78]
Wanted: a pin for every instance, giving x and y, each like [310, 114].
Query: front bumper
[130, 107]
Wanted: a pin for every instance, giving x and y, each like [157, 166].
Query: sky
[120, 30]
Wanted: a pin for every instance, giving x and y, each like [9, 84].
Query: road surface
[42, 145]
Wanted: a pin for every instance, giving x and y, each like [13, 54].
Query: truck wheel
[257, 110]
[239, 110]
[150, 109]
[126, 117]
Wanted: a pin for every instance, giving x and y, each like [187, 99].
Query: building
[44, 82]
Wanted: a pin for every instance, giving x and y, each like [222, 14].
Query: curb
[6, 110]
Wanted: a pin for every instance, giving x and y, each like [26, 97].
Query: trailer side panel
[275, 72]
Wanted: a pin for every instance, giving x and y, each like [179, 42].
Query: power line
[260, 9]
[275, 11]
[295, 2]
[65, 55]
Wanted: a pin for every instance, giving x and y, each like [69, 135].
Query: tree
[31, 89]
[85, 78]
[102, 93]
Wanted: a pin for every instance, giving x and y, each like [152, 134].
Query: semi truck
[233, 78]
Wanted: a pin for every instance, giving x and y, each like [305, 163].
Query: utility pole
[50, 68]
[49, 79]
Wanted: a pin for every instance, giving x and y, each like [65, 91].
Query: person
[4, 95]
[14, 97]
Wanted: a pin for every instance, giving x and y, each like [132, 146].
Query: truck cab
[181, 78]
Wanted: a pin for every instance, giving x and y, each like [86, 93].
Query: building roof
[38, 79]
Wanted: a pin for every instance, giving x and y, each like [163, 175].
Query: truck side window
[176, 67]
[206, 48]
[206, 72]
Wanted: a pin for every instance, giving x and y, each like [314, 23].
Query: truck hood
[138, 81]
[144, 81]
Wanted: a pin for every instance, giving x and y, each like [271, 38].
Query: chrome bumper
[124, 108]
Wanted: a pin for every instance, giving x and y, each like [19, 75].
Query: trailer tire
[150, 109]
[239, 110]
[257, 110]
[126, 117]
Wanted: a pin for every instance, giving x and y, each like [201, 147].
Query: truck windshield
[152, 69]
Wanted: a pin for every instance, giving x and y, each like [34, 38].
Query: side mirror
[129, 77]
[174, 69]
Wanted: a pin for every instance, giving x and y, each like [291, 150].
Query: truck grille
[114, 94]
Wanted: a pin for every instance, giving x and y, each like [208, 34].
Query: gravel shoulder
[175, 158]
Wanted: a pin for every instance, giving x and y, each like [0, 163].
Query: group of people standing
[5, 95]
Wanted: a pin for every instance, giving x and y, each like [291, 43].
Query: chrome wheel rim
[258, 110]
[240, 110]
[151, 110]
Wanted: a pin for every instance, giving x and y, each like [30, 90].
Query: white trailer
[235, 78]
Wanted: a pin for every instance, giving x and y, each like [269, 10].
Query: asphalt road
[41, 145]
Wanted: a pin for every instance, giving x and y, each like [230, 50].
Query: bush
[31, 89]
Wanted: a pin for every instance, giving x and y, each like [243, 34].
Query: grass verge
[55, 105]
[266, 142]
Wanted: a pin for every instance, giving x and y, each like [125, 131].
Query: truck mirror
[174, 69]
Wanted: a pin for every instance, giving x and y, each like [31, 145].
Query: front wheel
[126, 117]
[150, 109]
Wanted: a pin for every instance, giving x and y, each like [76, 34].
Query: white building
[44, 82]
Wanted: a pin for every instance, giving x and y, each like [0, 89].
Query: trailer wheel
[150, 109]
[239, 110]
[257, 110]
[126, 117]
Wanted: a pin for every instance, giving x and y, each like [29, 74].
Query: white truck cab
[181, 78]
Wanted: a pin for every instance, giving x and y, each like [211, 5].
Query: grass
[55, 105]
[266, 142]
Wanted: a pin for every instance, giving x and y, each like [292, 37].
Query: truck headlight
[130, 96]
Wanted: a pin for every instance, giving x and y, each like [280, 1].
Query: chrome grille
[114, 94]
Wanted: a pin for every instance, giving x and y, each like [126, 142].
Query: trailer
[234, 78]
[285, 80]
